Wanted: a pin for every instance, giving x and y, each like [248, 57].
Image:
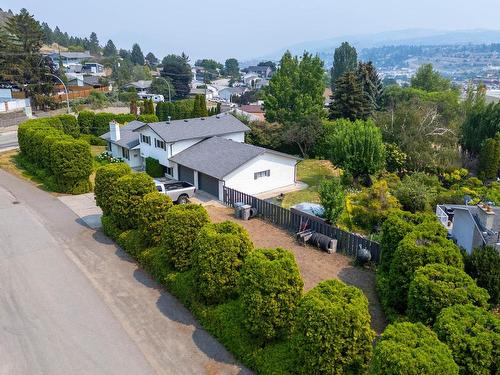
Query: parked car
[178, 191]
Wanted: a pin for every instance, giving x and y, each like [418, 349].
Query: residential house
[471, 226]
[253, 112]
[140, 86]
[208, 152]
[261, 71]
[93, 68]
[68, 58]
[209, 91]
[229, 92]
[84, 81]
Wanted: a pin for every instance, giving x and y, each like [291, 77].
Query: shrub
[181, 228]
[127, 196]
[333, 333]
[411, 349]
[109, 227]
[86, 121]
[131, 241]
[153, 167]
[148, 118]
[415, 193]
[155, 261]
[416, 250]
[437, 286]
[218, 254]
[270, 287]
[153, 212]
[106, 179]
[332, 196]
[473, 335]
[483, 265]
[100, 125]
[123, 118]
[70, 125]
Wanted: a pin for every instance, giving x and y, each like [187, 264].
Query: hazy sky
[246, 29]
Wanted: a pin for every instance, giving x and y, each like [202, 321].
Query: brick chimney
[486, 216]
[114, 131]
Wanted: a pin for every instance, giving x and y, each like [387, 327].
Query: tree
[160, 87]
[349, 101]
[483, 265]
[94, 44]
[177, 69]
[136, 56]
[200, 106]
[296, 89]
[151, 59]
[345, 59]
[265, 134]
[232, 67]
[270, 64]
[109, 49]
[124, 54]
[304, 133]
[106, 179]
[482, 122]
[332, 197]
[416, 192]
[427, 79]
[489, 158]
[370, 83]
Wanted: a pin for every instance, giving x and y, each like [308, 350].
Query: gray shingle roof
[128, 138]
[217, 157]
[204, 127]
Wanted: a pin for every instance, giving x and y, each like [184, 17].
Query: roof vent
[185, 120]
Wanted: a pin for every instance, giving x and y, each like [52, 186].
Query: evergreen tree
[136, 56]
[349, 100]
[151, 59]
[110, 49]
[428, 79]
[93, 44]
[47, 33]
[345, 59]
[370, 83]
[124, 54]
[178, 70]
[232, 68]
[489, 158]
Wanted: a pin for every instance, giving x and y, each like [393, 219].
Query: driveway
[72, 302]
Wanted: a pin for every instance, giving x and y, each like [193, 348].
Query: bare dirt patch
[315, 266]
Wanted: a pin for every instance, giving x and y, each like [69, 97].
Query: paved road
[8, 140]
[71, 302]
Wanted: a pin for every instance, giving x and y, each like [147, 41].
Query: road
[8, 140]
[71, 302]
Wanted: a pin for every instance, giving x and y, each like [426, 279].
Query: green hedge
[86, 121]
[181, 228]
[153, 167]
[411, 349]
[473, 335]
[106, 179]
[153, 211]
[218, 253]
[148, 118]
[483, 265]
[100, 123]
[333, 333]
[70, 125]
[437, 286]
[109, 227]
[131, 241]
[270, 287]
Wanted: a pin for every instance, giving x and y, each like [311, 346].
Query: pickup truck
[178, 191]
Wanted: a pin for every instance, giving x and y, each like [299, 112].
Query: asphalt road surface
[71, 302]
[8, 140]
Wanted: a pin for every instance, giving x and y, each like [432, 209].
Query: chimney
[114, 131]
[486, 216]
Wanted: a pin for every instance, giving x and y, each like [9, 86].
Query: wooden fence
[77, 94]
[294, 220]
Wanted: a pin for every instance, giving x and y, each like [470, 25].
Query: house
[208, 152]
[209, 91]
[84, 81]
[253, 112]
[68, 58]
[140, 86]
[93, 68]
[229, 92]
[471, 226]
[261, 71]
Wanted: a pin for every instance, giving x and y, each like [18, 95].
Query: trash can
[245, 211]
[237, 209]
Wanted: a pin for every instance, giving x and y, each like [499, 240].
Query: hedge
[100, 123]
[483, 265]
[86, 121]
[106, 179]
[270, 286]
[218, 253]
[109, 227]
[70, 125]
[127, 196]
[473, 335]
[333, 334]
[411, 349]
[148, 118]
[131, 241]
[181, 228]
[153, 212]
[437, 286]
[153, 167]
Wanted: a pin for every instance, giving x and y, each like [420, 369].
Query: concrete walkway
[84, 207]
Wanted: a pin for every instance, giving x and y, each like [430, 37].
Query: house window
[146, 139]
[160, 144]
[125, 153]
[260, 174]
[169, 171]
[109, 147]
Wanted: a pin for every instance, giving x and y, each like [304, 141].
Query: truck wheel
[183, 199]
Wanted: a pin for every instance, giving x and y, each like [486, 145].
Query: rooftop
[128, 138]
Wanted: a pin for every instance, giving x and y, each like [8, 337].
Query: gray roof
[75, 55]
[128, 138]
[203, 127]
[140, 84]
[217, 157]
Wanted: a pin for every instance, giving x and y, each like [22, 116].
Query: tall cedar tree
[349, 100]
[136, 56]
[370, 83]
[109, 49]
[94, 44]
[178, 70]
[345, 59]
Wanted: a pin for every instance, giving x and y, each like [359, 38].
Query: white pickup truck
[178, 191]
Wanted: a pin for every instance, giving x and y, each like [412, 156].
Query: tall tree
[178, 70]
[47, 33]
[110, 49]
[93, 44]
[304, 133]
[370, 83]
[136, 56]
[160, 87]
[270, 64]
[124, 54]
[151, 59]
[349, 99]
[345, 59]
[296, 89]
[232, 67]
[428, 79]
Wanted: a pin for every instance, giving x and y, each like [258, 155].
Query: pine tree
[110, 49]
[136, 56]
[349, 100]
[489, 159]
[93, 44]
[345, 59]
[370, 83]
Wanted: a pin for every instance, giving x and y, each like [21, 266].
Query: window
[169, 171]
[260, 174]
[125, 153]
[109, 147]
[160, 144]
[146, 139]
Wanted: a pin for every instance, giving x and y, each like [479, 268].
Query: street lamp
[65, 89]
[168, 84]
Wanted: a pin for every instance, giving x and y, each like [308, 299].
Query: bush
[127, 196]
[154, 168]
[70, 125]
[437, 286]
[106, 179]
[270, 286]
[86, 121]
[100, 125]
[93, 140]
[218, 253]
[332, 196]
[109, 227]
[148, 118]
[181, 228]
[155, 261]
[417, 249]
[414, 193]
[333, 333]
[483, 265]
[124, 118]
[411, 349]
[131, 241]
[153, 212]
[473, 335]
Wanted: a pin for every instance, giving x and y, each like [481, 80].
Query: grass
[312, 172]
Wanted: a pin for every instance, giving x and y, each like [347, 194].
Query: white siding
[182, 145]
[135, 161]
[237, 137]
[152, 151]
[465, 231]
[282, 173]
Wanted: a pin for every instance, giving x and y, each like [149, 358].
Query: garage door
[208, 184]
[186, 174]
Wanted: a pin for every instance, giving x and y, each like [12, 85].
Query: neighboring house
[93, 68]
[471, 226]
[210, 91]
[252, 112]
[139, 85]
[228, 92]
[68, 58]
[208, 152]
[84, 81]
[261, 71]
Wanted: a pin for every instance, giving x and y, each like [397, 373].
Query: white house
[208, 152]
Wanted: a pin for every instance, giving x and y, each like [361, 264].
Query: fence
[294, 220]
[77, 94]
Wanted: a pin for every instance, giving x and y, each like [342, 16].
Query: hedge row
[98, 123]
[51, 152]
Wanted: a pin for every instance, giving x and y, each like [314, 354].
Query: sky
[250, 29]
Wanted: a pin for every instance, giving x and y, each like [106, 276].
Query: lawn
[310, 171]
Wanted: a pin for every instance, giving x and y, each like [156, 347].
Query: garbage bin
[245, 211]
[237, 209]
